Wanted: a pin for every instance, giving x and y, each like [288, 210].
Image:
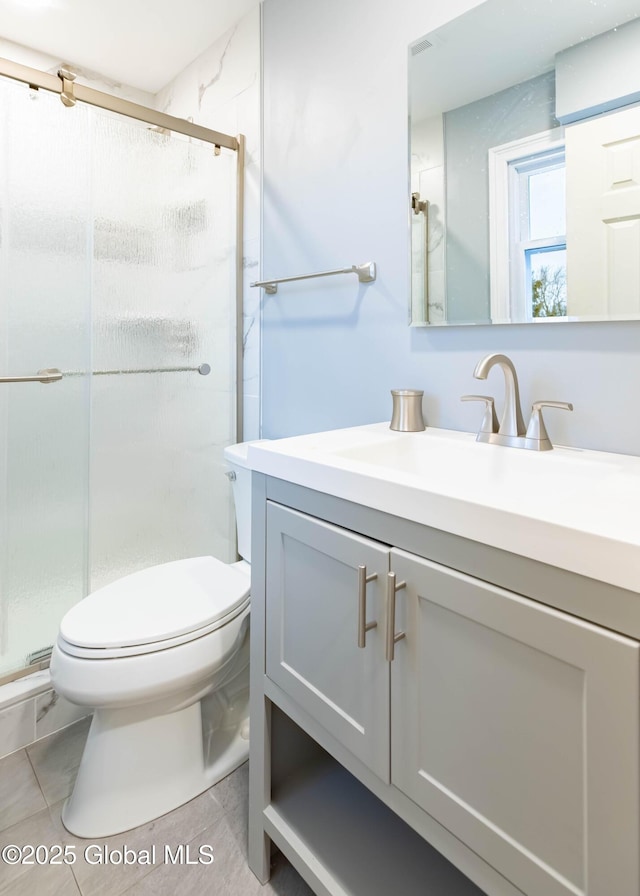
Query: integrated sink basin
[416, 453]
[410, 452]
[575, 509]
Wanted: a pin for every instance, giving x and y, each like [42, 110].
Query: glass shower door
[45, 281]
[163, 305]
[117, 267]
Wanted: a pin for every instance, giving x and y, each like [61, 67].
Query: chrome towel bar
[52, 374]
[366, 274]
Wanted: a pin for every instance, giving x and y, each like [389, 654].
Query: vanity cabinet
[504, 730]
[507, 721]
[312, 638]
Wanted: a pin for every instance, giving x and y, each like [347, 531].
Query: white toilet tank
[236, 457]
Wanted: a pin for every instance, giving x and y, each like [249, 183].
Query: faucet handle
[536, 430]
[490, 420]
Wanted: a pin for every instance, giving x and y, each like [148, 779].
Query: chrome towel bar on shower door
[366, 274]
[52, 374]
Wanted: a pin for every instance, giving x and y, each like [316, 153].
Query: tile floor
[33, 785]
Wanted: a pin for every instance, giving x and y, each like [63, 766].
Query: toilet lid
[156, 604]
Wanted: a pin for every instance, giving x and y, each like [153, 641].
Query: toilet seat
[155, 609]
[105, 653]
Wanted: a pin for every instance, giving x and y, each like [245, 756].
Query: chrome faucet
[511, 431]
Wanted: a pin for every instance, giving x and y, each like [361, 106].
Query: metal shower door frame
[70, 92]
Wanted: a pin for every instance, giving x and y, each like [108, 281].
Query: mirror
[525, 164]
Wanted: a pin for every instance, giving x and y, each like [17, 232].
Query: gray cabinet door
[516, 726]
[312, 648]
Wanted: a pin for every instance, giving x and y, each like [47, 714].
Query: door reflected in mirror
[525, 164]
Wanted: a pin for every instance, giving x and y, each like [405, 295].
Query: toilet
[162, 657]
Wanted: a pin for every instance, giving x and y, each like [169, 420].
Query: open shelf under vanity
[342, 838]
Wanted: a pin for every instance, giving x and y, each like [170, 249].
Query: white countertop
[575, 509]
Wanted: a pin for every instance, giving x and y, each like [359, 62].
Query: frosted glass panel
[117, 266]
[45, 246]
[163, 298]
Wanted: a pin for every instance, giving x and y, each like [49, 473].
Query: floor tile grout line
[54, 820]
[19, 821]
[73, 870]
[35, 775]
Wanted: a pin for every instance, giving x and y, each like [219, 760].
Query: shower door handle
[49, 375]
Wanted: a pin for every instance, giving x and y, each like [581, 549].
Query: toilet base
[134, 770]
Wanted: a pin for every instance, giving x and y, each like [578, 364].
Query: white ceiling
[142, 43]
[502, 42]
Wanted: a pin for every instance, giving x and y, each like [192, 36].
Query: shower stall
[120, 299]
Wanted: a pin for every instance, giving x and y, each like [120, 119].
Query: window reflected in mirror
[525, 164]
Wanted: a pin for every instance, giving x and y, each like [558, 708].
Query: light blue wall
[335, 193]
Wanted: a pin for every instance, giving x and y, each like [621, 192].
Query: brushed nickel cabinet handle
[363, 625]
[392, 637]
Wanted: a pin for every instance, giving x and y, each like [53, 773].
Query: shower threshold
[34, 666]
